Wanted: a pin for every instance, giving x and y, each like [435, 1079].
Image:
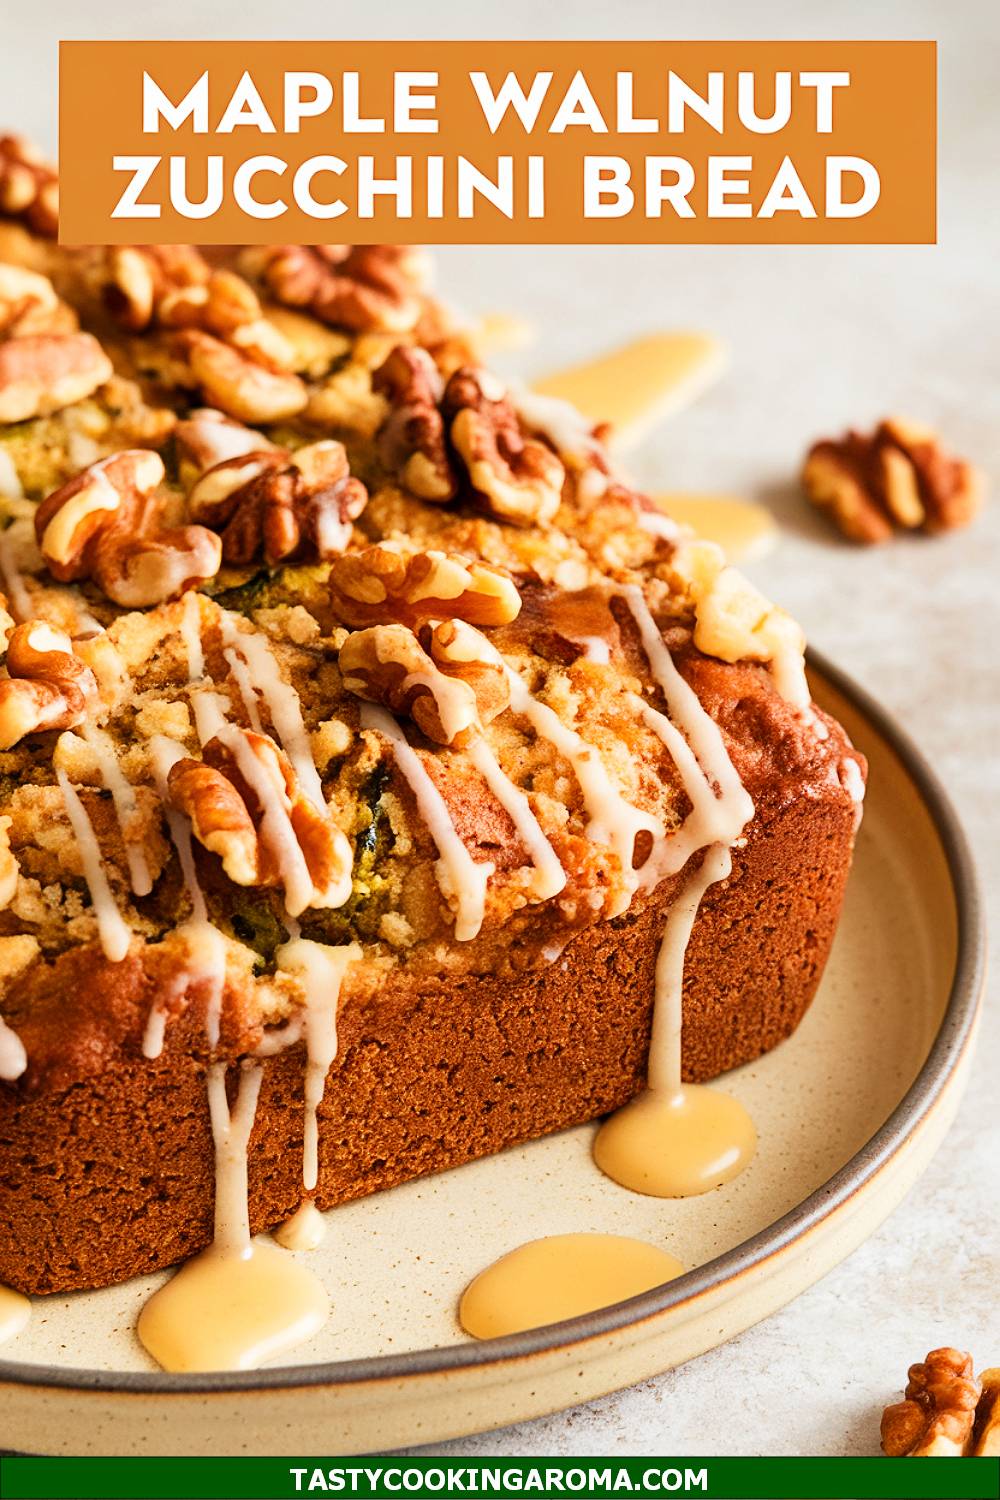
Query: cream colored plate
[849, 1111]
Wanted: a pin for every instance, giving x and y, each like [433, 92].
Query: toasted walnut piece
[47, 686]
[388, 665]
[220, 821]
[241, 799]
[107, 524]
[899, 475]
[986, 1433]
[463, 652]
[281, 505]
[391, 583]
[207, 437]
[411, 442]
[28, 304]
[313, 347]
[360, 287]
[134, 281]
[44, 372]
[29, 187]
[515, 477]
[236, 384]
[936, 1418]
[735, 622]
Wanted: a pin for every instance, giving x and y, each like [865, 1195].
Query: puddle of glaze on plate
[676, 1145]
[741, 528]
[224, 1312]
[636, 386]
[560, 1277]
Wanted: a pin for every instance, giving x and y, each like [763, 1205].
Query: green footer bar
[417, 1478]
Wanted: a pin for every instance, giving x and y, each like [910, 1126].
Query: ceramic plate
[849, 1111]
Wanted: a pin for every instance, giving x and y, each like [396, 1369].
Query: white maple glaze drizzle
[613, 821]
[305, 1230]
[231, 1131]
[191, 636]
[462, 879]
[550, 877]
[114, 932]
[248, 693]
[125, 804]
[566, 428]
[320, 971]
[283, 705]
[657, 524]
[13, 1058]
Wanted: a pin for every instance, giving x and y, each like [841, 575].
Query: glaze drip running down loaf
[360, 731]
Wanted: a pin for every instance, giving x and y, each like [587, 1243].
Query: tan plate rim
[943, 1061]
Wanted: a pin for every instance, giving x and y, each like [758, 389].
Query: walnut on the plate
[108, 524]
[47, 686]
[42, 373]
[29, 186]
[515, 477]
[358, 287]
[411, 441]
[935, 1420]
[280, 505]
[391, 583]
[386, 664]
[235, 382]
[900, 475]
[231, 796]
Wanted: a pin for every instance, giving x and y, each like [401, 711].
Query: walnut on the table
[47, 686]
[230, 796]
[29, 186]
[386, 664]
[936, 1417]
[358, 287]
[280, 505]
[900, 475]
[108, 524]
[514, 476]
[394, 583]
[41, 373]
[411, 442]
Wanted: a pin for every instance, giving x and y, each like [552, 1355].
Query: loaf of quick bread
[339, 735]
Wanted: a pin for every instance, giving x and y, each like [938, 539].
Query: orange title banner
[789, 142]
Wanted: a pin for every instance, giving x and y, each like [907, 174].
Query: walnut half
[898, 476]
[392, 583]
[41, 373]
[449, 690]
[246, 806]
[107, 524]
[280, 505]
[47, 686]
[935, 1420]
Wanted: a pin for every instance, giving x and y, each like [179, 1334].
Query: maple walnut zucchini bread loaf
[332, 664]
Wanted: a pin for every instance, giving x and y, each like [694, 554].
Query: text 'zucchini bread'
[357, 721]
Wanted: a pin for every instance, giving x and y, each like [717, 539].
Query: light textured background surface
[819, 338]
